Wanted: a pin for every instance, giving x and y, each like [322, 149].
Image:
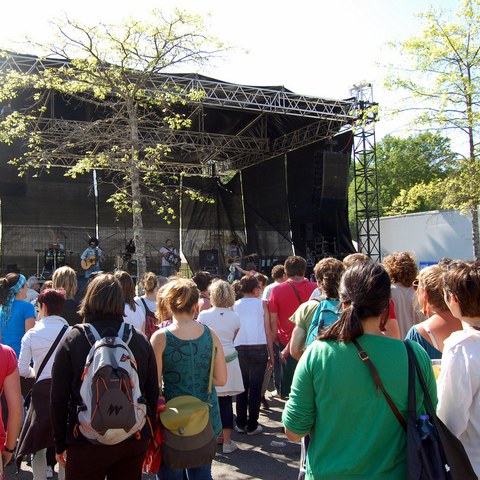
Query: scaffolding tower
[367, 212]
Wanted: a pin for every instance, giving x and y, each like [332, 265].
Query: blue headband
[6, 310]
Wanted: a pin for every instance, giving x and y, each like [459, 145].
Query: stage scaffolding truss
[365, 173]
[269, 122]
[275, 121]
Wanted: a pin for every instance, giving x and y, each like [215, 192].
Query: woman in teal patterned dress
[183, 351]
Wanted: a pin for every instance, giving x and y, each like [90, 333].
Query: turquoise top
[414, 334]
[186, 371]
[354, 433]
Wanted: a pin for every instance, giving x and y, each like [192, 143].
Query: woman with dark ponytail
[16, 315]
[353, 431]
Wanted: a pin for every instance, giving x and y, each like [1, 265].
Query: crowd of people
[225, 344]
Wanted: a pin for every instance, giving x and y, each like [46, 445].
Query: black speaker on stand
[208, 261]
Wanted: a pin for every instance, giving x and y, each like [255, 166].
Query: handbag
[440, 454]
[189, 440]
[153, 455]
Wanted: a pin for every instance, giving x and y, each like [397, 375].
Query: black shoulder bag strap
[296, 292]
[46, 358]
[50, 352]
[378, 383]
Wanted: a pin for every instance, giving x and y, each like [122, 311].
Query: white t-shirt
[252, 323]
[268, 290]
[166, 251]
[135, 318]
[36, 343]
[224, 322]
[151, 304]
[459, 390]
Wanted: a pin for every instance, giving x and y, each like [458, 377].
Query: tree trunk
[138, 235]
[475, 233]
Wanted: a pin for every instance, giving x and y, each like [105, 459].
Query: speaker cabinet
[335, 176]
[208, 259]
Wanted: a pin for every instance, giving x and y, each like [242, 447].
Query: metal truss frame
[194, 152]
[365, 173]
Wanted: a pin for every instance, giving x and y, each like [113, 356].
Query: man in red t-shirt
[284, 300]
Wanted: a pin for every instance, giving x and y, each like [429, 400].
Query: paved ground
[268, 456]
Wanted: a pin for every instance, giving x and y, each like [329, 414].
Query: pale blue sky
[313, 47]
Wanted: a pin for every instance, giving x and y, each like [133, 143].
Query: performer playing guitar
[91, 257]
[170, 259]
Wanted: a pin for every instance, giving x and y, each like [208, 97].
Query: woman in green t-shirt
[354, 433]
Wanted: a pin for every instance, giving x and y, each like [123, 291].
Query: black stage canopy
[286, 157]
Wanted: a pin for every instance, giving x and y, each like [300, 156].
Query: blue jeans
[252, 364]
[203, 472]
[168, 271]
[94, 268]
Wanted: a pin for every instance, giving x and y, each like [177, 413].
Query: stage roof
[233, 126]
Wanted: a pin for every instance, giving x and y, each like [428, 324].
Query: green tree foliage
[110, 70]
[405, 162]
[441, 78]
[405, 166]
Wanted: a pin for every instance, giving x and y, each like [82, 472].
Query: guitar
[232, 261]
[88, 262]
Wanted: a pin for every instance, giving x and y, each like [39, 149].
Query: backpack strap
[147, 310]
[316, 316]
[125, 332]
[90, 332]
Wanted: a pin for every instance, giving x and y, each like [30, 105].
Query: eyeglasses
[415, 284]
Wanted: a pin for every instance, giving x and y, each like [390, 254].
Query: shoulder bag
[440, 455]
[189, 440]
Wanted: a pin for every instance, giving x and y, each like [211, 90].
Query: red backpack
[151, 321]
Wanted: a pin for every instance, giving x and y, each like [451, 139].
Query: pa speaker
[335, 176]
[208, 259]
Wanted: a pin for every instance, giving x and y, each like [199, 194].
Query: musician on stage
[170, 259]
[49, 256]
[91, 257]
[233, 254]
[130, 249]
[58, 246]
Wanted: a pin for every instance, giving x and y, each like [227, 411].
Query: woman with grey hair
[225, 323]
[32, 288]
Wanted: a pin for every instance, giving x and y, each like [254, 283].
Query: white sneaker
[49, 472]
[229, 447]
[238, 429]
[258, 430]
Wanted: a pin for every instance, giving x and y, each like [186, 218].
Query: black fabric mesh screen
[266, 209]
[207, 226]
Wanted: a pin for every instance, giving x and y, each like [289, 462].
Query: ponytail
[347, 328]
